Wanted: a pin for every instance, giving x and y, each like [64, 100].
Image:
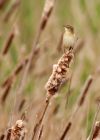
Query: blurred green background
[84, 15]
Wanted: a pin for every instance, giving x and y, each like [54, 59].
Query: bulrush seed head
[17, 131]
[59, 73]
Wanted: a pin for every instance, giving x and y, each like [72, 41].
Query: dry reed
[95, 127]
[17, 70]
[21, 105]
[85, 90]
[79, 103]
[48, 8]
[59, 74]
[5, 93]
[7, 84]
[12, 9]
[41, 131]
[96, 132]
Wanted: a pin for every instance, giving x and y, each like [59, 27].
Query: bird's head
[69, 28]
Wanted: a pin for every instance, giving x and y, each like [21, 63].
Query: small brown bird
[69, 37]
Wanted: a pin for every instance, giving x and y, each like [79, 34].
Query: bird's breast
[68, 40]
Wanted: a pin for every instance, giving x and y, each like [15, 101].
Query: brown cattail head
[96, 133]
[8, 137]
[21, 66]
[8, 42]
[85, 90]
[17, 131]
[13, 8]
[2, 3]
[66, 130]
[21, 105]
[49, 4]
[2, 137]
[59, 73]
[5, 93]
